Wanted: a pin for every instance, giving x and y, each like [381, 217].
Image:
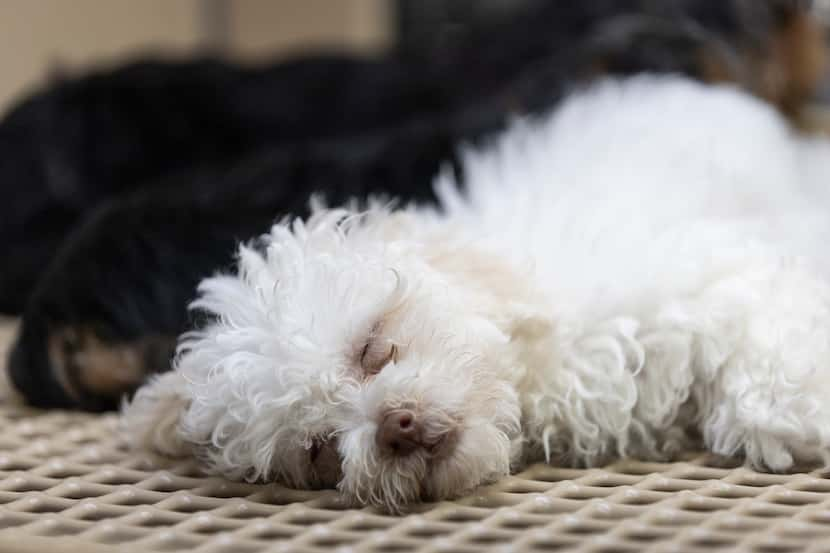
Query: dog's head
[346, 354]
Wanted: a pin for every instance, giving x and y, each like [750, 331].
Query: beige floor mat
[67, 485]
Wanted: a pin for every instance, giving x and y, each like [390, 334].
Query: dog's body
[619, 278]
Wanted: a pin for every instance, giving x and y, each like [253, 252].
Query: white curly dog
[644, 268]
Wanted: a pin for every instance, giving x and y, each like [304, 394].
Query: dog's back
[626, 192]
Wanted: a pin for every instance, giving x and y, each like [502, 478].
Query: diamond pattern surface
[68, 482]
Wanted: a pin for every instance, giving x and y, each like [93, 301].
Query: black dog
[209, 154]
[88, 140]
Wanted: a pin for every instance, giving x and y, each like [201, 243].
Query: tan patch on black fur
[785, 70]
[87, 366]
[796, 63]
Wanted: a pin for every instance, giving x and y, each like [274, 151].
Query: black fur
[88, 140]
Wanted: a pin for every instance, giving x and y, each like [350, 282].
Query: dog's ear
[530, 332]
[528, 323]
[520, 318]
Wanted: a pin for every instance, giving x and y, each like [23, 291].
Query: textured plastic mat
[67, 484]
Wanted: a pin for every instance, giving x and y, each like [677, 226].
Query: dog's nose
[399, 433]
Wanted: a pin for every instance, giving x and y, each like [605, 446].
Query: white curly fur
[647, 263]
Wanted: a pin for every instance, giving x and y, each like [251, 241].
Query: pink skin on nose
[399, 433]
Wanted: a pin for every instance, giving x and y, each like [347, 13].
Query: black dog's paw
[107, 311]
[75, 367]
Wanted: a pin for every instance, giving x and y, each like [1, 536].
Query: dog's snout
[399, 433]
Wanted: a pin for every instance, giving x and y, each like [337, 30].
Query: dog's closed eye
[376, 354]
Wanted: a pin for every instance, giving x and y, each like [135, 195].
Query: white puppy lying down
[646, 267]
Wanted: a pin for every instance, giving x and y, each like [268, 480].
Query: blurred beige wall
[260, 27]
[41, 36]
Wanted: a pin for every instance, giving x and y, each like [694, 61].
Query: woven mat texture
[67, 484]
